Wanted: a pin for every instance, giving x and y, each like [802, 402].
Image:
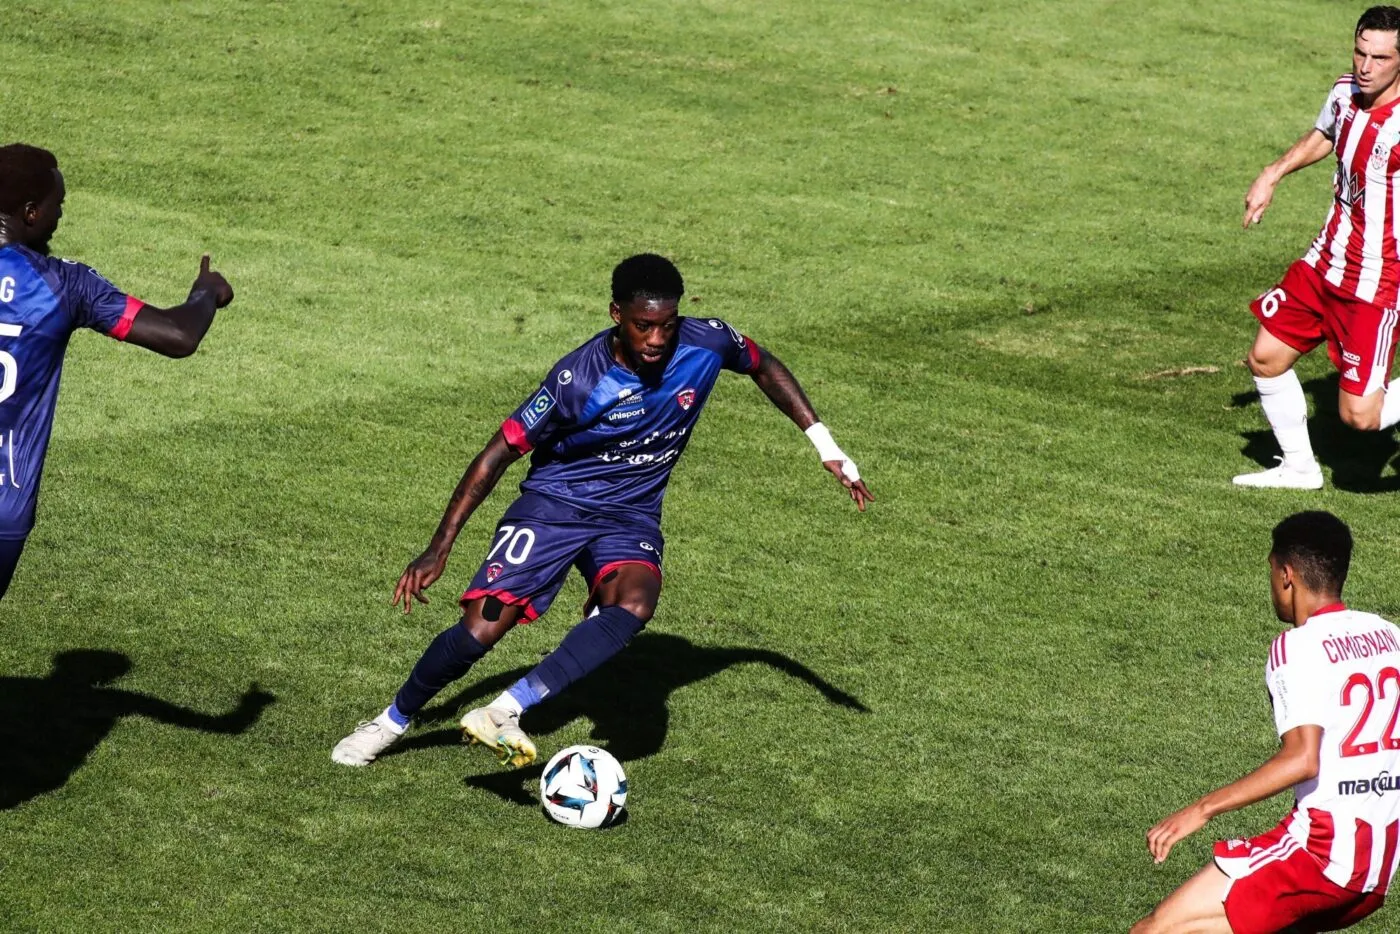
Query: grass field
[987, 238]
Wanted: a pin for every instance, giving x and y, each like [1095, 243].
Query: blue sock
[449, 657]
[584, 649]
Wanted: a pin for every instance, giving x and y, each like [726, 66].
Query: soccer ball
[583, 786]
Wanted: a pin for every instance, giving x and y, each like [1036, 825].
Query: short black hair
[1317, 546]
[646, 275]
[26, 175]
[1380, 18]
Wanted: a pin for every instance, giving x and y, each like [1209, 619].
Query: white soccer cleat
[500, 730]
[1283, 477]
[369, 739]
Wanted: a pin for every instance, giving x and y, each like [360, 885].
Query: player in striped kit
[1346, 287]
[1334, 681]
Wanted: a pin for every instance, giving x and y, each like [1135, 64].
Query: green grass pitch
[998, 243]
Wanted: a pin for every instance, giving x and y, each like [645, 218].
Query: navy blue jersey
[605, 441]
[43, 300]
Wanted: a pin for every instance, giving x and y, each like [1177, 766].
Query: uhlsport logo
[494, 571]
[566, 377]
[686, 398]
[647, 546]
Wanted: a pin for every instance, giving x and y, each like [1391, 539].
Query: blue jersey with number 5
[43, 300]
[606, 440]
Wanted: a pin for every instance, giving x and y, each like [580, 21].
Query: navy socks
[450, 655]
[584, 649]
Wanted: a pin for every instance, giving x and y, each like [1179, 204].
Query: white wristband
[829, 450]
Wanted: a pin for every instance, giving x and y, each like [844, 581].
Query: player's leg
[9, 560]
[1290, 325]
[1364, 350]
[1197, 907]
[516, 583]
[625, 571]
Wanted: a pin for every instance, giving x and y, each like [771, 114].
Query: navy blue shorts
[9, 560]
[539, 539]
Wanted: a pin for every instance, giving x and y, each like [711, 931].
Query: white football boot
[1283, 477]
[369, 739]
[500, 730]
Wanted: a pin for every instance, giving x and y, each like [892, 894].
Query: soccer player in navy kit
[43, 300]
[606, 426]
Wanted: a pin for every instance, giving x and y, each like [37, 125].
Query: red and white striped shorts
[1304, 310]
[1277, 885]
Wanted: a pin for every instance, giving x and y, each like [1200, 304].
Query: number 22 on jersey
[1388, 740]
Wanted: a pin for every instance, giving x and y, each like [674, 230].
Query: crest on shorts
[686, 398]
[494, 571]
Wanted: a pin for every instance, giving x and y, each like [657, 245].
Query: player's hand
[856, 488]
[1257, 199]
[417, 577]
[212, 282]
[1176, 827]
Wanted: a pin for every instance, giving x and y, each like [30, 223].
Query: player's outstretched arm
[1312, 147]
[1296, 761]
[481, 477]
[177, 332]
[781, 387]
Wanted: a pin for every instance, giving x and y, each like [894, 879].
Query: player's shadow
[626, 700]
[49, 725]
[1356, 459]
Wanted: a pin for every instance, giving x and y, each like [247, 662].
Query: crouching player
[1335, 685]
[606, 427]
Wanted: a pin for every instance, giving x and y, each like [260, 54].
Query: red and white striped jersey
[1341, 671]
[1356, 251]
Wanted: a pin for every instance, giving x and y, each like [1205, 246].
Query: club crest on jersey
[494, 571]
[685, 398]
[538, 408]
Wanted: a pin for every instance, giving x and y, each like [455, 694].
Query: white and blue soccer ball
[583, 786]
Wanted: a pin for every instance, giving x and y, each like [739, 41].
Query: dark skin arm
[177, 332]
[1297, 760]
[481, 477]
[782, 389]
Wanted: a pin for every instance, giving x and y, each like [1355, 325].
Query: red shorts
[1304, 310]
[1276, 885]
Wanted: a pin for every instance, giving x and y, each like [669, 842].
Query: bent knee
[1266, 366]
[641, 608]
[1361, 420]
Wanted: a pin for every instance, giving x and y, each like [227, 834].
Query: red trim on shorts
[614, 565]
[506, 597]
[123, 326]
[515, 436]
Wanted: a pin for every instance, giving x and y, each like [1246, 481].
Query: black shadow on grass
[50, 725]
[626, 700]
[1357, 459]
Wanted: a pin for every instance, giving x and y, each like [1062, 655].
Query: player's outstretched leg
[587, 646]
[1197, 907]
[447, 658]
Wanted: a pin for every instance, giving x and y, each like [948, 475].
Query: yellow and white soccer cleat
[500, 730]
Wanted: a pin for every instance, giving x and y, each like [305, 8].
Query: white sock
[387, 722]
[1286, 408]
[507, 701]
[1390, 408]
